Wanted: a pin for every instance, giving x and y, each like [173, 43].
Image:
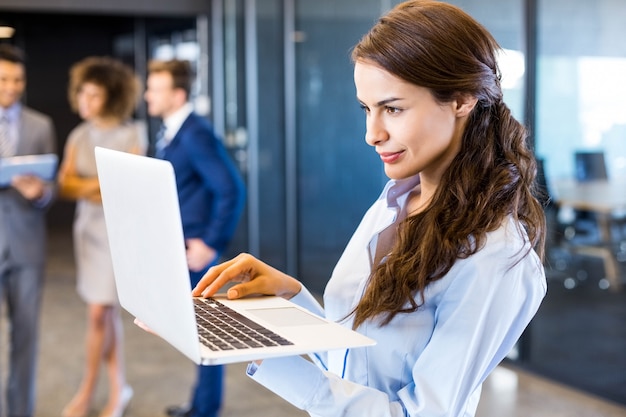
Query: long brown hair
[438, 46]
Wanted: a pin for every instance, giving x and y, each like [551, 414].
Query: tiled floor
[161, 376]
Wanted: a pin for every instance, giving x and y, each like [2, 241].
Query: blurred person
[23, 205]
[104, 92]
[445, 269]
[210, 191]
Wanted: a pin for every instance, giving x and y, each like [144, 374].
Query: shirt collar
[11, 113]
[396, 190]
[174, 121]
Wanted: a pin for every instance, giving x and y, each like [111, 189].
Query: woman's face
[410, 130]
[91, 99]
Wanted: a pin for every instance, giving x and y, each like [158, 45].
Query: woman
[104, 92]
[442, 270]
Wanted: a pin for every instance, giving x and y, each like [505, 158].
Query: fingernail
[232, 293]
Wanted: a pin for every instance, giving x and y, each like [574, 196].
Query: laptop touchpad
[286, 316]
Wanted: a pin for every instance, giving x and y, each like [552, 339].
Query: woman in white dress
[104, 92]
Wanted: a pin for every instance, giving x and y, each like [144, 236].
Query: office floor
[578, 336]
[161, 376]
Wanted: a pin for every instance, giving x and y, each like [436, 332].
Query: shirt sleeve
[47, 197]
[480, 313]
[306, 300]
[319, 392]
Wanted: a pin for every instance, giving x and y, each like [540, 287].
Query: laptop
[147, 247]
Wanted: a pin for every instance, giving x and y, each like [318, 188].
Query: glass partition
[505, 21]
[581, 115]
[581, 83]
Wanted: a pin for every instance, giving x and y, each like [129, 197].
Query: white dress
[94, 269]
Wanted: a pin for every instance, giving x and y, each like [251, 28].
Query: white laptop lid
[147, 247]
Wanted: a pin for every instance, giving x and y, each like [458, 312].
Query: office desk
[604, 198]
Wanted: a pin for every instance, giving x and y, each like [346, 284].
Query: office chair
[591, 166]
[582, 234]
[588, 166]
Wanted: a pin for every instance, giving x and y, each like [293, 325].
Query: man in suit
[210, 192]
[23, 204]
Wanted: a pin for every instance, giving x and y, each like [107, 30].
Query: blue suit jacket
[211, 192]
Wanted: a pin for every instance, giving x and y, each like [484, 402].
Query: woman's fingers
[261, 285]
[143, 326]
[252, 276]
[265, 280]
[238, 269]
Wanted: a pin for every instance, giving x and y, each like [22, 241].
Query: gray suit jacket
[22, 222]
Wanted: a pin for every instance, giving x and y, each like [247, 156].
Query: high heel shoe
[125, 396]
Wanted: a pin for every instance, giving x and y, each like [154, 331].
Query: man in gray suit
[23, 205]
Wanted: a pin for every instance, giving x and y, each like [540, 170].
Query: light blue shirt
[12, 117]
[428, 363]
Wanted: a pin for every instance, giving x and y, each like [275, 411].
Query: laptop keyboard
[222, 328]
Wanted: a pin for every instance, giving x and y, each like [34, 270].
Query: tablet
[44, 166]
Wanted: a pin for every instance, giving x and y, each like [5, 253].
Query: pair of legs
[104, 345]
[21, 287]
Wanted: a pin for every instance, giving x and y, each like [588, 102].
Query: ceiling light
[6, 31]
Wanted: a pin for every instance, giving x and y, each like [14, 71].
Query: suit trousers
[207, 394]
[21, 288]
[206, 399]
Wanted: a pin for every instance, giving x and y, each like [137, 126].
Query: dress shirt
[174, 121]
[428, 363]
[11, 116]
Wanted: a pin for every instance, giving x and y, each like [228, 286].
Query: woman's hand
[254, 277]
[143, 326]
